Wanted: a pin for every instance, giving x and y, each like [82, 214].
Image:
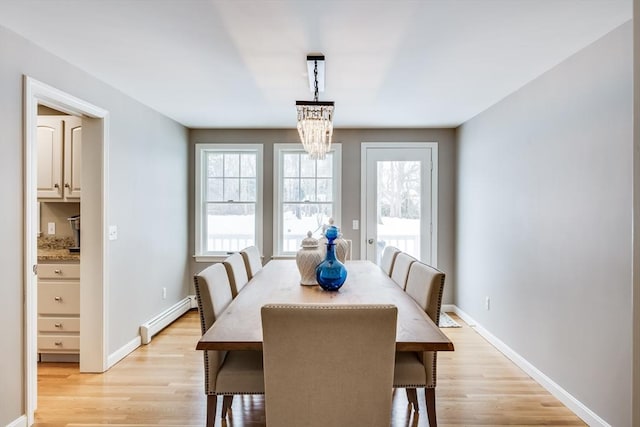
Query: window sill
[284, 256]
[209, 258]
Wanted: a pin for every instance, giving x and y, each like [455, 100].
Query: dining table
[239, 327]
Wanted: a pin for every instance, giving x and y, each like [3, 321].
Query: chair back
[425, 285]
[252, 260]
[349, 255]
[328, 365]
[401, 267]
[213, 294]
[237, 272]
[388, 256]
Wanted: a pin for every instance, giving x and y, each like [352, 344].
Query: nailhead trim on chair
[435, 353]
[204, 329]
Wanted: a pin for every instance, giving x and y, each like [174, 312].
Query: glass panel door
[398, 201]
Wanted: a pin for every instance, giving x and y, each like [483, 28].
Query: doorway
[93, 271]
[399, 199]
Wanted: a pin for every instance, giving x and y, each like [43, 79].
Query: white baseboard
[18, 422]
[152, 327]
[194, 302]
[581, 410]
[448, 308]
[123, 351]
[162, 320]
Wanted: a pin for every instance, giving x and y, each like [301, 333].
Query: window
[307, 194]
[228, 198]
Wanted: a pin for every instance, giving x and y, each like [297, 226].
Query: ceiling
[242, 63]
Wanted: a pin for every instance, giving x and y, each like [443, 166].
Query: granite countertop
[56, 249]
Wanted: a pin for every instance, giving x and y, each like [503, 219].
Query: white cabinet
[59, 308]
[59, 157]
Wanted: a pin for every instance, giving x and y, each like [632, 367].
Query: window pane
[307, 166]
[291, 190]
[230, 227]
[325, 167]
[308, 190]
[248, 190]
[325, 190]
[300, 218]
[399, 205]
[231, 189]
[214, 164]
[214, 190]
[248, 165]
[231, 164]
[291, 164]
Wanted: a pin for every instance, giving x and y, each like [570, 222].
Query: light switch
[113, 232]
[51, 228]
[356, 224]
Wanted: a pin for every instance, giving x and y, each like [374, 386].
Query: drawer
[59, 271]
[58, 324]
[59, 298]
[58, 343]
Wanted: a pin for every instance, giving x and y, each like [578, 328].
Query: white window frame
[201, 255]
[278, 151]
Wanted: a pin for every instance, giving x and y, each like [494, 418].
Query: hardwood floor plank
[161, 384]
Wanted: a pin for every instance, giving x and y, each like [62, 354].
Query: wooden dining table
[239, 327]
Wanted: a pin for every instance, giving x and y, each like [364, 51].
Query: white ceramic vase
[307, 259]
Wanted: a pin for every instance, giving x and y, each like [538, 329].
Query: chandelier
[315, 118]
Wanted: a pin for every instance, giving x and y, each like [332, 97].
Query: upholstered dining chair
[425, 285]
[388, 256]
[225, 373]
[252, 260]
[320, 359]
[237, 272]
[401, 266]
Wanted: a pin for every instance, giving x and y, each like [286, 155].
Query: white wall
[147, 201]
[544, 223]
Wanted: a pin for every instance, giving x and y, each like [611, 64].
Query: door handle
[370, 241]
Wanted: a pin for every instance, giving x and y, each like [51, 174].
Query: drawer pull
[58, 325]
[58, 343]
[59, 299]
[57, 271]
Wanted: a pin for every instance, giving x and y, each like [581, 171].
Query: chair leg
[412, 397]
[430, 399]
[212, 401]
[226, 404]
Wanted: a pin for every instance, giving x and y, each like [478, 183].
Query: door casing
[93, 271]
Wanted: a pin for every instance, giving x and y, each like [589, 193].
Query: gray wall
[636, 213]
[544, 223]
[350, 140]
[147, 200]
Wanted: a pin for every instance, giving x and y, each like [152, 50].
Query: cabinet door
[49, 157]
[72, 156]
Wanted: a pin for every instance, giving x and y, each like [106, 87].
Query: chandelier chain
[315, 78]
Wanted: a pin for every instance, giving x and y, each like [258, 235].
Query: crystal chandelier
[315, 118]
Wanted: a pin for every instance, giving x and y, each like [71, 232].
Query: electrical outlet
[113, 232]
[487, 303]
[164, 293]
[51, 228]
[356, 224]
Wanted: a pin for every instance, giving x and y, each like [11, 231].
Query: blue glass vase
[331, 273]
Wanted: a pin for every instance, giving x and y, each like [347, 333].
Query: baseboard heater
[164, 319]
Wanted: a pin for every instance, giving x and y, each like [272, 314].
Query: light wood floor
[162, 384]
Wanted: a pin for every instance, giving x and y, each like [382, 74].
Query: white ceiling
[242, 63]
